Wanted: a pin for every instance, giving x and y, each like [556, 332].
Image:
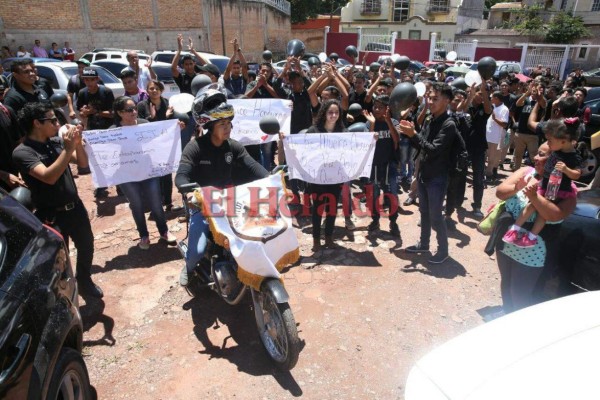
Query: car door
[18, 333]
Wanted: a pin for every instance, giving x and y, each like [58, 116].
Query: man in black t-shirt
[183, 80]
[10, 135]
[95, 102]
[24, 86]
[480, 110]
[384, 170]
[43, 161]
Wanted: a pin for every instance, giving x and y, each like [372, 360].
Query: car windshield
[221, 63]
[163, 73]
[105, 75]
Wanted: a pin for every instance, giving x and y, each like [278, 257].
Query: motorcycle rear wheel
[277, 330]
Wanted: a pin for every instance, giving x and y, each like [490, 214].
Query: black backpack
[459, 157]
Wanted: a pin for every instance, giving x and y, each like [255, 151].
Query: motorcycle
[217, 271]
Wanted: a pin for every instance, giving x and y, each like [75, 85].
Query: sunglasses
[52, 120]
[129, 109]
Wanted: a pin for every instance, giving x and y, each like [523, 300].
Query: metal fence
[547, 57]
[372, 39]
[281, 5]
[464, 50]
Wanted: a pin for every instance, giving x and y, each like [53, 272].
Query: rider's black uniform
[207, 165]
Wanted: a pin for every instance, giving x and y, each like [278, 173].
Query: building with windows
[412, 19]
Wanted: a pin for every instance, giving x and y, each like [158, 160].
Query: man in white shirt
[144, 74]
[495, 132]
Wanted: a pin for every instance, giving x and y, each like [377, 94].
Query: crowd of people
[426, 149]
[59, 53]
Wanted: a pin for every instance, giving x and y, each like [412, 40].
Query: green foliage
[565, 28]
[529, 21]
[307, 9]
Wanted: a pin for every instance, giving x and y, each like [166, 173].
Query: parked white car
[58, 74]
[112, 54]
[162, 70]
[548, 351]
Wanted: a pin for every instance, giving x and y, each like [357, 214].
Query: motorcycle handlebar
[188, 187]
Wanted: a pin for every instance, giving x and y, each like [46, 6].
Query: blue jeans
[188, 131]
[407, 164]
[198, 236]
[267, 155]
[431, 200]
[146, 192]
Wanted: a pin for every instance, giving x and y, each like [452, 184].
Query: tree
[306, 9]
[566, 28]
[529, 21]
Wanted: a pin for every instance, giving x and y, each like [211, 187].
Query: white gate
[544, 56]
[465, 50]
[373, 39]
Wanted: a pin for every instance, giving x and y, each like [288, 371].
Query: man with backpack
[94, 103]
[459, 158]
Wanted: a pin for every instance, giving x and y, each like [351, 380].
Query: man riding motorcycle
[213, 159]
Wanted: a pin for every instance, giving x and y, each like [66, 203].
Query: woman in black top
[156, 108]
[325, 197]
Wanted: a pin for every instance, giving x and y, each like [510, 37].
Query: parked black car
[579, 257]
[40, 326]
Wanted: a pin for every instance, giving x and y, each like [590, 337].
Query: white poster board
[248, 113]
[133, 153]
[328, 158]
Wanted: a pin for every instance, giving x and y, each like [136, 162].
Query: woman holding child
[521, 266]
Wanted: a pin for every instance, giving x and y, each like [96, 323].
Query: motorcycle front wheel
[277, 329]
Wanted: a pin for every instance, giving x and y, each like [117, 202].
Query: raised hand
[179, 41]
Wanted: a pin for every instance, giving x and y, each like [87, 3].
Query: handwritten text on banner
[329, 158]
[133, 153]
[248, 113]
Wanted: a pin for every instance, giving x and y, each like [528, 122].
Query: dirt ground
[365, 313]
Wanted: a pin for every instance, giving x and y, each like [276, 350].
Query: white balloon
[421, 88]
[472, 77]
[182, 102]
[451, 56]
[322, 57]
[395, 58]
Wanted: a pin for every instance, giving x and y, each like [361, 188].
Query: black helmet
[58, 100]
[23, 196]
[199, 82]
[211, 105]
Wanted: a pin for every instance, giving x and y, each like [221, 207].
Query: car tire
[70, 380]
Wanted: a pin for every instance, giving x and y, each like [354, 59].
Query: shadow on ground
[242, 346]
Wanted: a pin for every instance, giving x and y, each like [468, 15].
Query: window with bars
[401, 8]
[371, 7]
[596, 5]
[439, 6]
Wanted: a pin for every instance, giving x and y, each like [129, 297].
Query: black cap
[89, 73]
[212, 69]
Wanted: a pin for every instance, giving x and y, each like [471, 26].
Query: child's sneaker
[526, 242]
[511, 236]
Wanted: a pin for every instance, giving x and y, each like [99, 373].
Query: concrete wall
[144, 24]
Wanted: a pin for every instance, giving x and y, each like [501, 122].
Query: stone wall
[144, 24]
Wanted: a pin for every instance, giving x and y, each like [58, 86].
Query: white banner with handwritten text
[328, 158]
[133, 153]
[248, 113]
